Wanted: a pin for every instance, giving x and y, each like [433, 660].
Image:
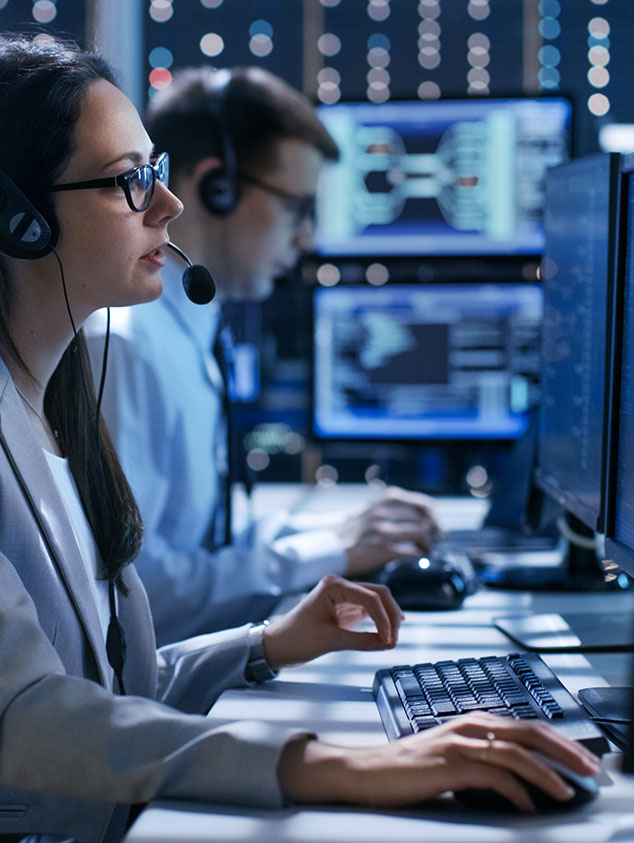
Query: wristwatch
[257, 669]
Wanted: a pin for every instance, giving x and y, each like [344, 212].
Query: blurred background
[406, 351]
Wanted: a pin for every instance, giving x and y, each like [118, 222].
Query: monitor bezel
[615, 549]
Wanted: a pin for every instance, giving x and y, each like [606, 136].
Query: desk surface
[332, 696]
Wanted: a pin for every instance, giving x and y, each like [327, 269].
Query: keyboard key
[407, 685]
[442, 707]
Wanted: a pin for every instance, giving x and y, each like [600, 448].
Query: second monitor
[422, 361]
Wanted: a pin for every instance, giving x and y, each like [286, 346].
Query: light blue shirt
[163, 406]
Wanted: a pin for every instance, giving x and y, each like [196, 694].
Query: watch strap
[257, 668]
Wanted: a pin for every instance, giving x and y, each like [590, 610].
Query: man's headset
[219, 190]
[24, 231]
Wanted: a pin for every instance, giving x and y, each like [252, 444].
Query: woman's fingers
[325, 618]
[533, 735]
[376, 604]
[510, 754]
[391, 606]
[474, 774]
[498, 758]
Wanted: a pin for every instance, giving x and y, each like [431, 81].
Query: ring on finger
[485, 753]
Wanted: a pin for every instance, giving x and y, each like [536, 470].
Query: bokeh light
[429, 90]
[161, 10]
[598, 77]
[161, 57]
[429, 9]
[211, 44]
[599, 56]
[377, 274]
[44, 11]
[598, 104]
[379, 9]
[160, 77]
[261, 45]
[328, 275]
[378, 57]
[479, 9]
[329, 44]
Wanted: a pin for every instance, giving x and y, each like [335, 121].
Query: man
[245, 154]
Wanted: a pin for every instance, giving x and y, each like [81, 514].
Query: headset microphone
[198, 284]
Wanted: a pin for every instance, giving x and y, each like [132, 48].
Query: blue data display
[440, 361]
[443, 178]
[576, 281]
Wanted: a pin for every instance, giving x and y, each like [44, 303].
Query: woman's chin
[149, 291]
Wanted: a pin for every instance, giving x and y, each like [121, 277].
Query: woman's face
[112, 255]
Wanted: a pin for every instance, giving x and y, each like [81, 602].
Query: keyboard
[412, 698]
[499, 539]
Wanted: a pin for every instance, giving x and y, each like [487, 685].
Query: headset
[218, 189]
[24, 232]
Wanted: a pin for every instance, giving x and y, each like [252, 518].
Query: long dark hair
[42, 84]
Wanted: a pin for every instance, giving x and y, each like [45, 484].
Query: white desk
[332, 696]
[452, 512]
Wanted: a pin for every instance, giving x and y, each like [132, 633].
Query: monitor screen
[448, 177]
[439, 361]
[577, 267]
[620, 480]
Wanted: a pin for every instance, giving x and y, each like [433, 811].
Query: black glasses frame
[302, 207]
[159, 170]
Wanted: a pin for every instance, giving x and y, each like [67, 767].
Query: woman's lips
[156, 257]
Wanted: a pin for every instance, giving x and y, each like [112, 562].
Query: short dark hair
[256, 108]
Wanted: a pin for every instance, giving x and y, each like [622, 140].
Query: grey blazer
[73, 755]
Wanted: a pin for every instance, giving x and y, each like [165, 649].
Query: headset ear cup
[24, 232]
[218, 192]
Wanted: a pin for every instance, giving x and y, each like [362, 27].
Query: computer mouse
[586, 789]
[422, 583]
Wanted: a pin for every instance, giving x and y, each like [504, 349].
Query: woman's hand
[478, 750]
[325, 619]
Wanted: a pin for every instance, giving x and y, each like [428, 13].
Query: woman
[75, 751]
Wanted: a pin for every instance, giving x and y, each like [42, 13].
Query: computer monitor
[619, 495]
[580, 218]
[580, 425]
[425, 361]
[446, 177]
[617, 704]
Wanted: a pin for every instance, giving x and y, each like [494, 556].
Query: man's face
[265, 235]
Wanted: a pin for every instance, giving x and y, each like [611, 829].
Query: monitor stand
[572, 632]
[577, 632]
[573, 566]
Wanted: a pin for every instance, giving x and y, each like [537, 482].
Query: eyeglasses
[302, 208]
[137, 183]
